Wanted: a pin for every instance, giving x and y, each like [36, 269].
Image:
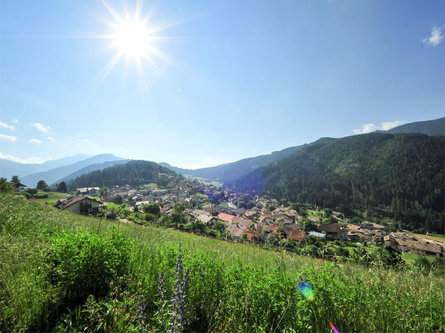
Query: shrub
[152, 208]
[85, 263]
[6, 187]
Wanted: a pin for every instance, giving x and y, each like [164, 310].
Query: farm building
[80, 205]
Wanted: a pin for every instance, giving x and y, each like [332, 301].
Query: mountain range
[64, 170]
[227, 173]
[9, 168]
[399, 172]
[230, 171]
[69, 168]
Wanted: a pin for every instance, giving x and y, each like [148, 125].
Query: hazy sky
[216, 81]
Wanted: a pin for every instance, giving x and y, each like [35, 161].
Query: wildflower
[178, 318]
[140, 314]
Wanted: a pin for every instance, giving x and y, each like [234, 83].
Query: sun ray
[106, 71]
[111, 10]
[135, 39]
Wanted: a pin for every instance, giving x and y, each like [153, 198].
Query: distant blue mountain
[54, 175]
[9, 168]
[91, 168]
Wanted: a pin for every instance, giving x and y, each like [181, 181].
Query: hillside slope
[231, 287]
[132, 172]
[429, 127]
[230, 171]
[402, 173]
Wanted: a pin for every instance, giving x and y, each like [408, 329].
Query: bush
[149, 217]
[6, 187]
[85, 263]
[152, 208]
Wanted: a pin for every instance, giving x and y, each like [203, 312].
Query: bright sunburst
[133, 37]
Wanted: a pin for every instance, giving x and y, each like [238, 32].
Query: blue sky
[227, 80]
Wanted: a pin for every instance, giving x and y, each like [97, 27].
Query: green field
[51, 260]
[53, 197]
[435, 237]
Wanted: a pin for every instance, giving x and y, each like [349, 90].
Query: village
[247, 217]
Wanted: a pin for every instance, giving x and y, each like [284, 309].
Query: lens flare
[306, 290]
[333, 328]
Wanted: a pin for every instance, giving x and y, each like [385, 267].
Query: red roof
[165, 210]
[237, 219]
[225, 217]
[293, 232]
[252, 233]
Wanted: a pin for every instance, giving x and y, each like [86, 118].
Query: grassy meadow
[68, 273]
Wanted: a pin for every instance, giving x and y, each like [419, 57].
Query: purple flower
[178, 309]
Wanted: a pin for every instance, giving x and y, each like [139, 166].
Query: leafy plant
[85, 263]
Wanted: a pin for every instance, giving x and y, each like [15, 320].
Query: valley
[248, 166]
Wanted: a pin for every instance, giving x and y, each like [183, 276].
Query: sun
[133, 39]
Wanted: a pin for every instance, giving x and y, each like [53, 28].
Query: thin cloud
[35, 141]
[387, 125]
[8, 137]
[41, 127]
[5, 125]
[15, 120]
[391, 124]
[435, 38]
[50, 138]
[366, 128]
[29, 160]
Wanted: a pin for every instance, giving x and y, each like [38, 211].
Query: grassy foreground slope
[232, 287]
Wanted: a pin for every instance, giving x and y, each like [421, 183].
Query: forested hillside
[402, 174]
[429, 127]
[133, 173]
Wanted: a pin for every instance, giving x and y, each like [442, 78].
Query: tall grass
[233, 287]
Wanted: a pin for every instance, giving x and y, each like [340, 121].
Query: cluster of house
[258, 223]
[253, 225]
[414, 244]
[166, 197]
[261, 223]
[93, 191]
[217, 195]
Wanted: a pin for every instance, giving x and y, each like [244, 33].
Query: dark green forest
[133, 173]
[400, 175]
